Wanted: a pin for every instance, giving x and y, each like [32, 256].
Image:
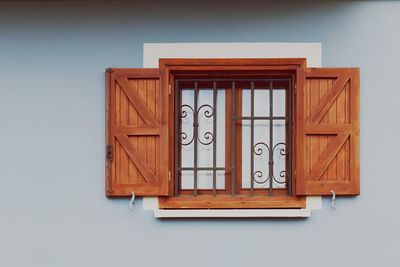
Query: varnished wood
[229, 202]
[328, 132]
[327, 156]
[236, 62]
[326, 102]
[136, 128]
[191, 68]
[137, 102]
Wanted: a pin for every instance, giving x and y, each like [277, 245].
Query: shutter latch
[109, 152]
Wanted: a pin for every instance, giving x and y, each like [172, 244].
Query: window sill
[229, 202]
[312, 203]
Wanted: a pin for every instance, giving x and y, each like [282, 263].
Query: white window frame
[152, 52]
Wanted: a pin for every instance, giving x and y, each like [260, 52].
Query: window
[220, 119]
[232, 133]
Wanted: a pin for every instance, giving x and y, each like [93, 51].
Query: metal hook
[132, 201]
[333, 199]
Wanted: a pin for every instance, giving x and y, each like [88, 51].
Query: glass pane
[187, 180]
[279, 132]
[205, 130]
[261, 103]
[186, 111]
[279, 107]
[206, 113]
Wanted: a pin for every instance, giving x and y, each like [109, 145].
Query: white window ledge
[152, 52]
[151, 203]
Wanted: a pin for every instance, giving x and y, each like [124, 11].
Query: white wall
[52, 206]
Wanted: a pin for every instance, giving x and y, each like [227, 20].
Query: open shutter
[327, 136]
[136, 132]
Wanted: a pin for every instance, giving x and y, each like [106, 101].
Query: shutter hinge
[169, 176]
[109, 152]
[169, 89]
[109, 70]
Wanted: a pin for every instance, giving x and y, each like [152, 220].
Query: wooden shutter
[327, 136]
[137, 132]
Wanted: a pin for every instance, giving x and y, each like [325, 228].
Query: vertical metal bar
[215, 138]
[233, 140]
[252, 140]
[177, 149]
[289, 95]
[195, 133]
[271, 143]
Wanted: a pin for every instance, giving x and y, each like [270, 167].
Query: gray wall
[52, 206]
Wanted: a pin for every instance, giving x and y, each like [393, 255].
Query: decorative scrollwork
[258, 149]
[258, 177]
[185, 137]
[282, 174]
[183, 113]
[207, 138]
[283, 150]
[208, 112]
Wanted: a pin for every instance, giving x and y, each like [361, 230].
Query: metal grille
[267, 149]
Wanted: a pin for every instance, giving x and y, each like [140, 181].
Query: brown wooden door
[136, 132]
[328, 132]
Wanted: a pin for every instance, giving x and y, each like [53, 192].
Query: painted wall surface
[52, 206]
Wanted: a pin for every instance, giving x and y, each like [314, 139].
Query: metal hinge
[169, 89]
[109, 152]
[169, 176]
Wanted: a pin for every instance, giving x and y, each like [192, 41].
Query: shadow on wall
[171, 15]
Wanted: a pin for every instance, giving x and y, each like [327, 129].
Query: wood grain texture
[330, 127]
[229, 202]
[195, 68]
[136, 130]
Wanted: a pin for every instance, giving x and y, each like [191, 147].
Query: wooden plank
[108, 128]
[324, 188]
[326, 129]
[147, 130]
[326, 102]
[314, 139]
[137, 102]
[148, 174]
[151, 140]
[327, 156]
[323, 139]
[133, 121]
[228, 202]
[300, 137]
[228, 138]
[332, 120]
[341, 118]
[273, 62]
[141, 140]
[164, 144]
[355, 133]
[125, 190]
[117, 110]
[124, 159]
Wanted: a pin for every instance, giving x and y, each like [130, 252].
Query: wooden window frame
[198, 67]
